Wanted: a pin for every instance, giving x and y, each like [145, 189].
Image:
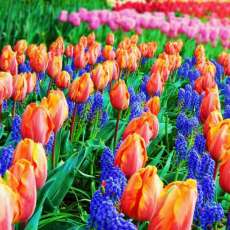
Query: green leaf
[165, 169]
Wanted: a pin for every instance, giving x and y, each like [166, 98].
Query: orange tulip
[54, 66]
[146, 125]
[63, 79]
[57, 47]
[81, 88]
[30, 50]
[83, 41]
[80, 58]
[38, 59]
[131, 155]
[8, 61]
[20, 58]
[100, 79]
[176, 206]
[69, 50]
[111, 69]
[110, 39]
[31, 79]
[212, 120]
[91, 38]
[122, 58]
[119, 95]
[154, 85]
[210, 102]
[153, 105]
[35, 154]
[108, 53]
[6, 86]
[19, 87]
[57, 105]
[20, 46]
[9, 207]
[225, 173]
[139, 200]
[132, 63]
[21, 179]
[36, 123]
[218, 140]
[93, 53]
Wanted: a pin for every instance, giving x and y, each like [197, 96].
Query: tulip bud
[139, 200]
[210, 102]
[93, 53]
[131, 155]
[21, 179]
[57, 47]
[6, 86]
[108, 53]
[69, 51]
[132, 64]
[212, 120]
[122, 58]
[81, 88]
[111, 69]
[63, 80]
[110, 39]
[225, 173]
[83, 41]
[80, 58]
[19, 87]
[35, 154]
[154, 85]
[91, 39]
[176, 204]
[153, 105]
[146, 125]
[218, 140]
[31, 79]
[20, 58]
[8, 201]
[100, 79]
[57, 105]
[31, 50]
[54, 66]
[36, 123]
[20, 46]
[119, 95]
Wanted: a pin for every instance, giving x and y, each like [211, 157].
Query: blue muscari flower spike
[72, 65]
[88, 67]
[4, 105]
[107, 158]
[104, 118]
[22, 68]
[68, 69]
[71, 105]
[227, 112]
[207, 165]
[144, 60]
[181, 94]
[140, 97]
[6, 157]
[132, 95]
[193, 163]
[211, 213]
[41, 76]
[104, 215]
[208, 187]
[100, 59]
[181, 147]
[185, 125]
[200, 143]
[143, 86]
[135, 110]
[16, 128]
[196, 100]
[49, 145]
[228, 222]
[97, 105]
[199, 202]
[81, 72]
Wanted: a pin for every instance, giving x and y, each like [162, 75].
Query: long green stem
[53, 152]
[116, 128]
[73, 122]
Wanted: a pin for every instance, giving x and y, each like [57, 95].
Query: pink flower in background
[63, 17]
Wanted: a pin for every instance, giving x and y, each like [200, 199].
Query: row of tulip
[127, 20]
[199, 9]
[144, 198]
[28, 169]
[198, 100]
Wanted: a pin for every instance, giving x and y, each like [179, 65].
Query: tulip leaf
[165, 169]
[42, 195]
[64, 178]
[1, 131]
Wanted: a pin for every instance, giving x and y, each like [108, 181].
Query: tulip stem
[14, 109]
[53, 152]
[215, 170]
[50, 85]
[116, 129]
[1, 113]
[73, 121]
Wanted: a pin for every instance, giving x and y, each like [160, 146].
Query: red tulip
[36, 123]
[175, 206]
[69, 50]
[110, 39]
[80, 58]
[146, 125]
[93, 53]
[225, 173]
[35, 154]
[19, 87]
[57, 105]
[81, 88]
[210, 102]
[91, 38]
[154, 85]
[63, 80]
[131, 155]
[119, 95]
[21, 179]
[139, 200]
